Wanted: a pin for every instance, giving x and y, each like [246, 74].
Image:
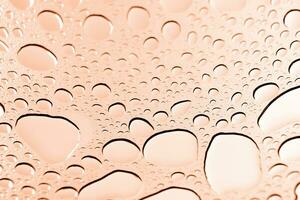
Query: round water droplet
[25, 169]
[151, 43]
[138, 18]
[6, 184]
[5, 128]
[140, 126]
[50, 20]
[67, 193]
[171, 30]
[101, 90]
[291, 19]
[265, 92]
[63, 96]
[97, 27]
[294, 67]
[201, 120]
[289, 150]
[121, 150]
[117, 110]
[91, 162]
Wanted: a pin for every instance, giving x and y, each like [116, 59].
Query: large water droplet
[289, 150]
[232, 155]
[53, 138]
[36, 57]
[291, 19]
[280, 111]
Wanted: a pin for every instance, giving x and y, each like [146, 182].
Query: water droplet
[50, 20]
[43, 132]
[173, 193]
[291, 19]
[97, 27]
[22, 5]
[201, 120]
[25, 169]
[101, 90]
[274, 116]
[181, 107]
[121, 150]
[265, 92]
[151, 43]
[117, 110]
[171, 148]
[128, 184]
[232, 155]
[171, 30]
[289, 150]
[138, 18]
[140, 126]
[36, 57]
[63, 96]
